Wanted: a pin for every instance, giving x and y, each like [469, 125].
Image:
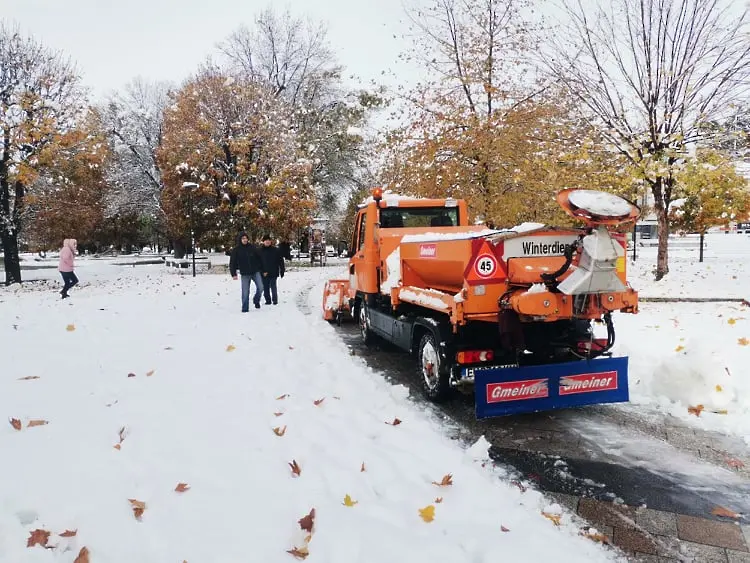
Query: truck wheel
[434, 375]
[364, 323]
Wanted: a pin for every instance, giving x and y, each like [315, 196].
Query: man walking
[245, 258]
[273, 268]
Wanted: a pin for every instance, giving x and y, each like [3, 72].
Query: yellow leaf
[231, 347]
[349, 502]
[554, 518]
[70, 328]
[427, 513]
[731, 321]
[719, 389]
[696, 410]
[743, 341]
[679, 348]
[279, 431]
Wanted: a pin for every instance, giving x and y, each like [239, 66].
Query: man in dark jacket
[246, 259]
[273, 268]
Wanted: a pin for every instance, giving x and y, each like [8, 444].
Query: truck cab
[381, 222]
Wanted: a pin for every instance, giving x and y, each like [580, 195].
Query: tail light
[475, 356]
[595, 345]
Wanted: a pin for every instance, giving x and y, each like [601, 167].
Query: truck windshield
[405, 217]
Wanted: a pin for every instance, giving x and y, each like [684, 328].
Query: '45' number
[486, 265]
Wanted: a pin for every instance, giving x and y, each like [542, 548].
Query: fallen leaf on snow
[721, 511]
[445, 482]
[504, 529]
[554, 518]
[131, 375]
[719, 389]
[278, 413]
[734, 463]
[231, 347]
[36, 422]
[679, 348]
[182, 487]
[282, 397]
[38, 537]
[427, 513]
[362, 468]
[138, 507]
[596, 536]
[438, 500]
[279, 431]
[28, 378]
[15, 423]
[319, 401]
[731, 321]
[117, 447]
[697, 410]
[348, 501]
[519, 485]
[83, 556]
[70, 328]
[68, 533]
[337, 398]
[743, 341]
[150, 373]
[299, 552]
[395, 422]
[296, 469]
[307, 522]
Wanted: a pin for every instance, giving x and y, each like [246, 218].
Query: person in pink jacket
[66, 267]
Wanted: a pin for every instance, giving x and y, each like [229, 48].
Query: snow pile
[393, 264]
[461, 235]
[181, 429]
[692, 360]
[424, 298]
[600, 203]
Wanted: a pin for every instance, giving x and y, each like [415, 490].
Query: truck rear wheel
[435, 376]
[363, 321]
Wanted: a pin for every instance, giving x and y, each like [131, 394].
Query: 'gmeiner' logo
[535, 248]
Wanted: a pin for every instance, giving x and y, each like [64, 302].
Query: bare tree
[285, 52]
[134, 121]
[292, 56]
[651, 73]
[40, 98]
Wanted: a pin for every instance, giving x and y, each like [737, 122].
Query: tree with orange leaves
[232, 137]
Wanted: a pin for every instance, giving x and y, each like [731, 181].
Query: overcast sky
[113, 41]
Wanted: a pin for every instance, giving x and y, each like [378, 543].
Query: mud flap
[501, 391]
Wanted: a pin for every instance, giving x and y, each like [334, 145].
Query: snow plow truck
[520, 317]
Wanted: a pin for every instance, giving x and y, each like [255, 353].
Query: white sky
[113, 41]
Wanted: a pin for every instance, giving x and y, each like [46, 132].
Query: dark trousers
[70, 280]
[269, 290]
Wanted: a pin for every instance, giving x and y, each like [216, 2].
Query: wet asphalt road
[600, 452]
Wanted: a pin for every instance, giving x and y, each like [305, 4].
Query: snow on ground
[725, 271]
[209, 385]
[695, 355]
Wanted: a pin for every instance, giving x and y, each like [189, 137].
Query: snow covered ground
[149, 420]
[692, 360]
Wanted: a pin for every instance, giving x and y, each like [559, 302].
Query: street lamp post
[190, 186]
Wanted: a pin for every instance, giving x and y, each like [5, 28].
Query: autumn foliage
[232, 137]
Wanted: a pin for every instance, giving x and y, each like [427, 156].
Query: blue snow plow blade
[500, 391]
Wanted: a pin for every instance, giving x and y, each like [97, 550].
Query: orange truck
[521, 317]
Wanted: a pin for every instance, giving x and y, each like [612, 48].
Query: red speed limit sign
[485, 266]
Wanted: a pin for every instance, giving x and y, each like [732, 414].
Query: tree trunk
[661, 191]
[11, 260]
[700, 251]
